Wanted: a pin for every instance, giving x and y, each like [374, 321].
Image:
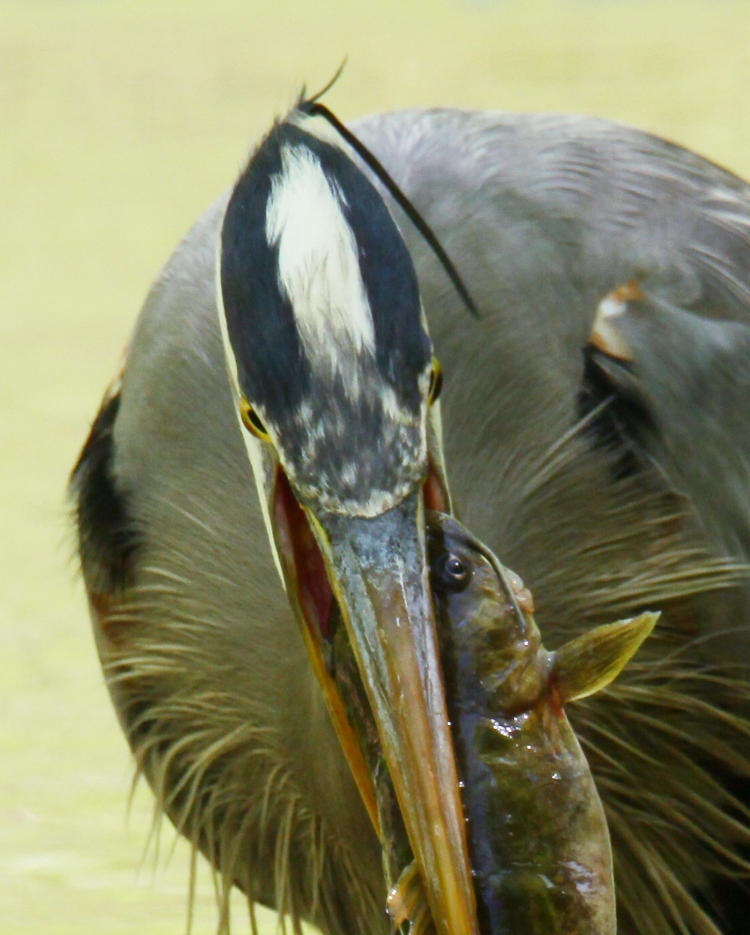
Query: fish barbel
[538, 837]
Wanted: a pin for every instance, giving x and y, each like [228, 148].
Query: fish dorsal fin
[591, 661]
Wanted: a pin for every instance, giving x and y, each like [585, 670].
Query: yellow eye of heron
[436, 380]
[252, 422]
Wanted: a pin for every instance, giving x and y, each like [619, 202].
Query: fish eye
[252, 421]
[450, 572]
[436, 380]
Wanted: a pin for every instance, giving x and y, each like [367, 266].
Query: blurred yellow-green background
[119, 122]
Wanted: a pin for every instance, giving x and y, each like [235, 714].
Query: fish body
[538, 835]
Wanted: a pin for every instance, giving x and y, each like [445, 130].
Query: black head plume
[312, 107]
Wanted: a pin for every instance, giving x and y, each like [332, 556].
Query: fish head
[485, 616]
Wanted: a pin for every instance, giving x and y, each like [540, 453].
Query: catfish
[538, 837]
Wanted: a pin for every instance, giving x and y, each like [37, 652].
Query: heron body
[598, 476]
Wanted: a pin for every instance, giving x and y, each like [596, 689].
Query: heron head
[336, 387]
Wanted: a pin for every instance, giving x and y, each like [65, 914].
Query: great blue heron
[612, 480]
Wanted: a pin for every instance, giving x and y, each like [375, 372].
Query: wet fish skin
[538, 836]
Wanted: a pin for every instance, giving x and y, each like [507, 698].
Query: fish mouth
[371, 574]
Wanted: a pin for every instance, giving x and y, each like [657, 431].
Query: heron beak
[378, 570]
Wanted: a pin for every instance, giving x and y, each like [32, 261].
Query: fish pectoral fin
[591, 661]
[407, 902]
